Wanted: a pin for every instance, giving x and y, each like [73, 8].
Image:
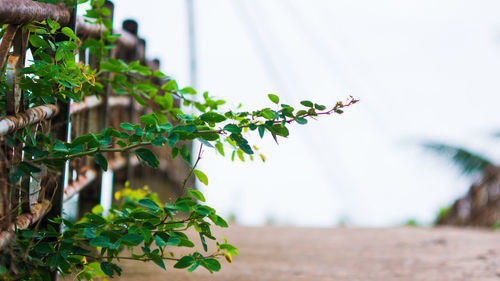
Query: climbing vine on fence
[141, 223]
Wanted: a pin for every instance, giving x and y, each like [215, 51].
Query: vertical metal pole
[90, 196]
[192, 52]
[192, 44]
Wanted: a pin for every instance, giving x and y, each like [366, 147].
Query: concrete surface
[315, 254]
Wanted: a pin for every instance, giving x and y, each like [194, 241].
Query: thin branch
[89, 152]
[191, 171]
[147, 259]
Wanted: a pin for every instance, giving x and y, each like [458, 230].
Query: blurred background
[423, 70]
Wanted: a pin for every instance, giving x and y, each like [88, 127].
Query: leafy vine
[141, 223]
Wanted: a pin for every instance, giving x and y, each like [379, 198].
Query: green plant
[443, 212]
[411, 222]
[139, 221]
[467, 161]
[496, 226]
[142, 223]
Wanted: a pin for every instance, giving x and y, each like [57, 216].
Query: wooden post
[60, 130]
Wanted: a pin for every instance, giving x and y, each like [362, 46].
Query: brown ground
[293, 254]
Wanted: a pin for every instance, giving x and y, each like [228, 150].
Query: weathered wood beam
[23, 221]
[79, 185]
[7, 39]
[123, 101]
[23, 11]
[89, 103]
[9, 124]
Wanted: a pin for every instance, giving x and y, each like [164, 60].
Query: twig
[89, 152]
[184, 190]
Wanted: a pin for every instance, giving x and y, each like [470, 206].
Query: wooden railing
[43, 196]
[480, 206]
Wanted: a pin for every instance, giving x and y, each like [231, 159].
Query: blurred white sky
[423, 70]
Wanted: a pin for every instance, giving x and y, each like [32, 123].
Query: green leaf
[127, 126]
[28, 168]
[229, 248]
[95, 218]
[132, 239]
[37, 42]
[212, 117]
[148, 156]
[173, 241]
[167, 127]
[110, 131]
[68, 32]
[97, 210]
[175, 152]
[301, 120]
[185, 154]
[159, 140]
[206, 142]
[172, 139]
[239, 153]
[121, 143]
[138, 68]
[319, 106]
[148, 203]
[142, 215]
[60, 147]
[232, 128]
[203, 242]
[138, 98]
[196, 194]
[242, 143]
[204, 210]
[211, 264]
[100, 241]
[188, 91]
[268, 114]
[159, 241]
[149, 119]
[201, 176]
[219, 221]
[307, 103]
[88, 139]
[262, 130]
[54, 25]
[101, 161]
[184, 262]
[274, 98]
[195, 265]
[280, 130]
[159, 74]
[146, 233]
[165, 102]
[184, 128]
[158, 261]
[220, 148]
[107, 268]
[113, 65]
[170, 86]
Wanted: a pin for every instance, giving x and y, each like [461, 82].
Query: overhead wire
[338, 68]
[267, 58]
[261, 48]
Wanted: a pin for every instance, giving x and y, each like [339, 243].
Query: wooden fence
[44, 195]
[480, 206]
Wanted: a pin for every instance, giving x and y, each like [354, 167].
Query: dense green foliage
[141, 223]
